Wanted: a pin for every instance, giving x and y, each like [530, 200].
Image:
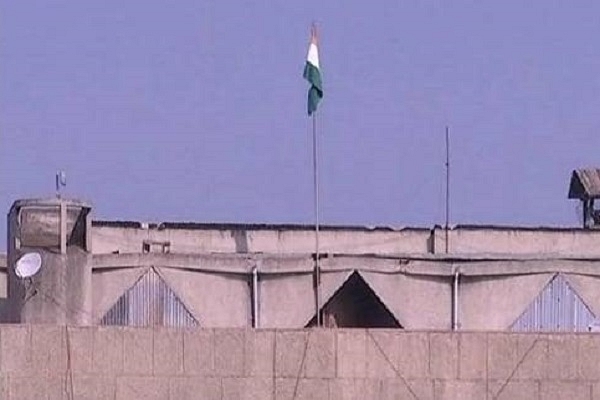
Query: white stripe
[313, 55]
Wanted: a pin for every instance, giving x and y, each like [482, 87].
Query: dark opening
[355, 305]
[77, 237]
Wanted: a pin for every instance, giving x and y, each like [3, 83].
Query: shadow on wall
[4, 311]
[355, 305]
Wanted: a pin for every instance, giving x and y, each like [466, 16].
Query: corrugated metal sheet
[149, 302]
[585, 183]
[558, 308]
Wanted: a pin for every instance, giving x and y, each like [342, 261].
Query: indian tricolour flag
[312, 73]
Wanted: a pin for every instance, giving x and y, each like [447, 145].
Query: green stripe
[313, 75]
[315, 93]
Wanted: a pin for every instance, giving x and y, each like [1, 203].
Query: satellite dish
[28, 265]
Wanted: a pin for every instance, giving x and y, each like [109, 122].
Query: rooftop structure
[258, 275]
[585, 186]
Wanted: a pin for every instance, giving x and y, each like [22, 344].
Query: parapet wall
[115, 237]
[251, 239]
[54, 362]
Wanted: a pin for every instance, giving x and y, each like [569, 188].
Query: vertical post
[586, 214]
[88, 232]
[317, 272]
[255, 321]
[63, 227]
[447, 188]
[455, 324]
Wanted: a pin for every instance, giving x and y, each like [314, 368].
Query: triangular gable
[149, 302]
[557, 308]
[356, 305]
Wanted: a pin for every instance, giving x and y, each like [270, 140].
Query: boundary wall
[58, 362]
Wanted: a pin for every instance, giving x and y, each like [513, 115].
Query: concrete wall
[557, 241]
[54, 362]
[60, 292]
[218, 289]
[281, 240]
[209, 267]
[109, 239]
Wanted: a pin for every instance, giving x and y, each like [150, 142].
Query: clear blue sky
[195, 110]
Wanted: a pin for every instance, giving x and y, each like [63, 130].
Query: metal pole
[255, 296]
[63, 227]
[317, 272]
[455, 301]
[447, 187]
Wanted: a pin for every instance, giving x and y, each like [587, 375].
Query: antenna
[61, 182]
[447, 186]
[28, 265]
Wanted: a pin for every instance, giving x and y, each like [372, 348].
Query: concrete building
[249, 275]
[121, 310]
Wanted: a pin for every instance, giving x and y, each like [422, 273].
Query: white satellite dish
[28, 265]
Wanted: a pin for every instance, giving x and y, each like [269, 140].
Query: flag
[312, 73]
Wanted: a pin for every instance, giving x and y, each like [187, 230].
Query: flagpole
[313, 75]
[447, 189]
[317, 272]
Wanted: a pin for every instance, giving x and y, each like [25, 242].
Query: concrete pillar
[439, 236]
[60, 293]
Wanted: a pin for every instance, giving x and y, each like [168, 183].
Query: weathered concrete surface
[209, 267]
[518, 240]
[419, 294]
[60, 292]
[110, 237]
[217, 288]
[39, 223]
[58, 362]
